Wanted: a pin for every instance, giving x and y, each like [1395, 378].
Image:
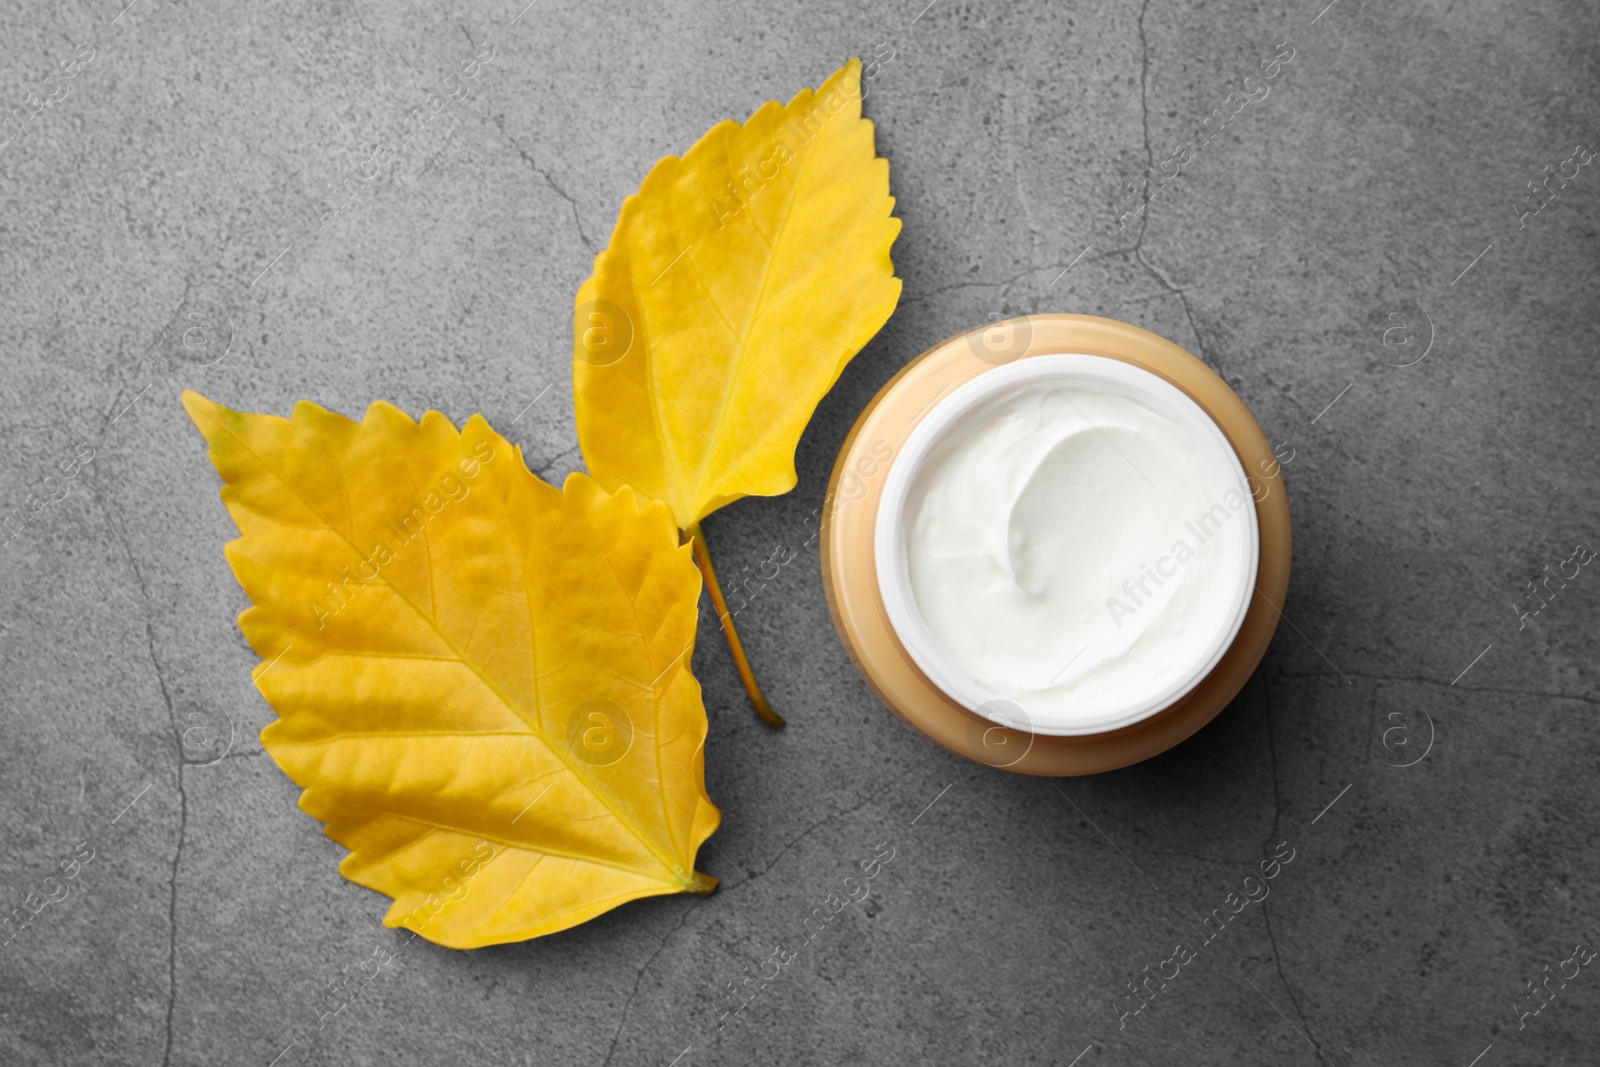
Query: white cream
[1080, 544]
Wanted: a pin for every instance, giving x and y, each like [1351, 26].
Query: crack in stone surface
[1144, 215]
[1266, 912]
[749, 877]
[1413, 679]
[172, 915]
[527, 157]
[622, 1019]
[121, 534]
[541, 466]
[789, 846]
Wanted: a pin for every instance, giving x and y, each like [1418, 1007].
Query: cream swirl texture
[1077, 547]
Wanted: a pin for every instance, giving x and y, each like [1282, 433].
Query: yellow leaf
[482, 682]
[739, 281]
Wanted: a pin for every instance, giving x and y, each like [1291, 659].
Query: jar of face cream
[1056, 544]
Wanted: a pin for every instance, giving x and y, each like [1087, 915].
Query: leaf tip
[198, 406]
[848, 75]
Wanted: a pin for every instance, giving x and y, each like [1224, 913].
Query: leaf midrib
[755, 316]
[510, 845]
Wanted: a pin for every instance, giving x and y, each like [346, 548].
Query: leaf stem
[702, 556]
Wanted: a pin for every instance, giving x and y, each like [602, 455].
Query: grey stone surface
[164, 208]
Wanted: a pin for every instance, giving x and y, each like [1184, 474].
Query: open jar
[1056, 544]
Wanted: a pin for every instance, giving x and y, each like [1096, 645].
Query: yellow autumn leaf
[739, 281]
[482, 682]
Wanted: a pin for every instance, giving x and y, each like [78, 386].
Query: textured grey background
[176, 186]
